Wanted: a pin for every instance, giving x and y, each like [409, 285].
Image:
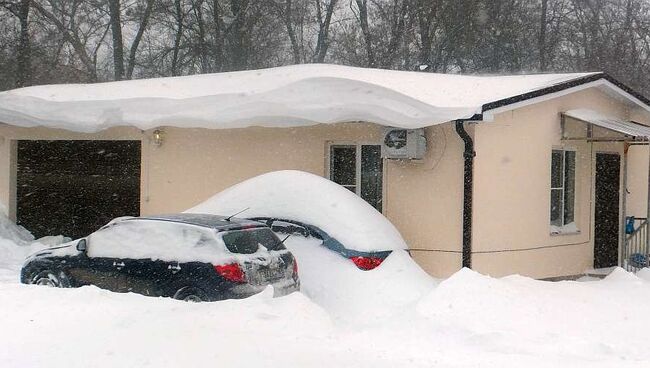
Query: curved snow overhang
[291, 96]
[602, 81]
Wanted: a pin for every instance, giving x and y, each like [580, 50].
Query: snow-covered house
[521, 174]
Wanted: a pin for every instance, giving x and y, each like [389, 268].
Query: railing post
[622, 236]
[647, 217]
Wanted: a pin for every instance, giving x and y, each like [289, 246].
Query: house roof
[289, 96]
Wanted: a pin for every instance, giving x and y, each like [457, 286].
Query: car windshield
[248, 241]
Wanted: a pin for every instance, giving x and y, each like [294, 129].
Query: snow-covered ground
[388, 317]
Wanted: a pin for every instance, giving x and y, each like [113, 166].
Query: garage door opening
[73, 188]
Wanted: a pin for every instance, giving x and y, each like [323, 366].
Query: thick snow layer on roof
[277, 97]
[311, 199]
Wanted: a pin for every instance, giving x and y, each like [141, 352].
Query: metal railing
[636, 254]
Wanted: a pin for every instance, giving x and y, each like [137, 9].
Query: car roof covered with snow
[311, 199]
[287, 96]
[216, 222]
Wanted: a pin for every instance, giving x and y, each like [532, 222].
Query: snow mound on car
[301, 196]
[350, 294]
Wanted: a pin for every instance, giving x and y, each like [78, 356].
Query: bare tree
[324, 14]
[20, 9]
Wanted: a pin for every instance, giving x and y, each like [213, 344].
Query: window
[358, 167]
[563, 168]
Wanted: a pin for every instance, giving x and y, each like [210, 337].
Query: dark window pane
[556, 169]
[556, 207]
[371, 175]
[569, 185]
[343, 162]
[247, 241]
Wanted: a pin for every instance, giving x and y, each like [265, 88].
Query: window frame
[562, 187]
[358, 145]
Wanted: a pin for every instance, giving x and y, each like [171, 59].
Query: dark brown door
[608, 169]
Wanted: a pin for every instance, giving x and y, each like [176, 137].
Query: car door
[166, 257]
[110, 250]
[90, 269]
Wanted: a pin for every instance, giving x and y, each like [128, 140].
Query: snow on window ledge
[568, 229]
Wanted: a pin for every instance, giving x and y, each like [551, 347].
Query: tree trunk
[118, 46]
[203, 50]
[178, 9]
[322, 42]
[239, 52]
[365, 29]
[23, 54]
[396, 34]
[542, 37]
[425, 20]
[288, 21]
[218, 37]
[144, 21]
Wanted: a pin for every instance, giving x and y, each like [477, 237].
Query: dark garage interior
[73, 188]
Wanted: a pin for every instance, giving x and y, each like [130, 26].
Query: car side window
[143, 239]
[285, 227]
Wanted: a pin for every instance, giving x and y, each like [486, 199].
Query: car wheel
[51, 279]
[190, 294]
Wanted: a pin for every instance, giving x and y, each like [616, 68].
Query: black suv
[190, 257]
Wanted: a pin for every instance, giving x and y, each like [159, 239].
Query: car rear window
[248, 241]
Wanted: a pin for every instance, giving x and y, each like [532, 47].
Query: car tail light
[295, 267]
[367, 263]
[231, 272]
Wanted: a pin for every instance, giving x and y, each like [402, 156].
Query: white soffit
[628, 128]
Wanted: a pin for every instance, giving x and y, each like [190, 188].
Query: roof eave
[560, 89]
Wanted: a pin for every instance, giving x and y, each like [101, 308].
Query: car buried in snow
[364, 260]
[298, 203]
[191, 257]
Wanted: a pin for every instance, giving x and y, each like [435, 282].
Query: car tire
[190, 294]
[51, 278]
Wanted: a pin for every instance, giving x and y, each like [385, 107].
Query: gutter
[468, 186]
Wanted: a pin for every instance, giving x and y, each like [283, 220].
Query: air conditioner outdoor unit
[405, 144]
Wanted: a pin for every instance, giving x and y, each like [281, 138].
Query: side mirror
[82, 246]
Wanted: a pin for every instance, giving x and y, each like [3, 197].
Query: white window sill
[567, 232]
[568, 229]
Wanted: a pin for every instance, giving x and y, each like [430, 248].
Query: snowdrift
[301, 196]
[469, 320]
[16, 243]
[277, 97]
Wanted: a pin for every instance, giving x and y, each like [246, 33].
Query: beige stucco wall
[512, 189]
[423, 199]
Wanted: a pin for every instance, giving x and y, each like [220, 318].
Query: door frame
[622, 187]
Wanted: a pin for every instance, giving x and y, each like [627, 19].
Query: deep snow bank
[470, 320]
[309, 198]
[16, 243]
[595, 318]
[280, 97]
